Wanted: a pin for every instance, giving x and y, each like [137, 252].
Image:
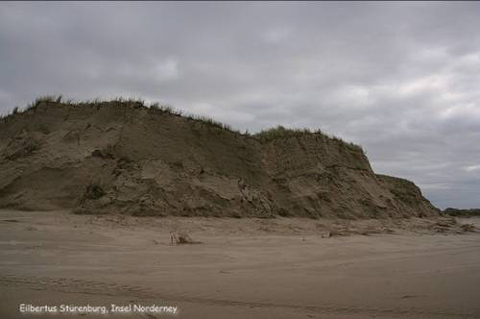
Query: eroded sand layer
[243, 268]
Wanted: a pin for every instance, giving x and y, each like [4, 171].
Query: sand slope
[121, 157]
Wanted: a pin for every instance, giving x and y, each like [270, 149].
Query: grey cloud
[399, 78]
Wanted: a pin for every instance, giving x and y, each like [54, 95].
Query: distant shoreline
[462, 212]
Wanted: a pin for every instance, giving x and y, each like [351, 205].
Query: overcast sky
[400, 79]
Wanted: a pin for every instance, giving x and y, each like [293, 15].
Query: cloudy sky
[401, 79]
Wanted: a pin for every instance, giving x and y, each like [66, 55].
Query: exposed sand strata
[122, 157]
[243, 268]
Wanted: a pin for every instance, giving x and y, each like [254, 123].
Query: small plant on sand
[44, 99]
[182, 238]
[94, 191]
[280, 132]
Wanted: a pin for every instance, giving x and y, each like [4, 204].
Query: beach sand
[238, 268]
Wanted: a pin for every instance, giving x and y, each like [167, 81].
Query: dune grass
[267, 135]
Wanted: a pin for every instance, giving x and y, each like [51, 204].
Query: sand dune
[124, 157]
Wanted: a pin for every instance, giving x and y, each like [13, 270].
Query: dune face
[122, 157]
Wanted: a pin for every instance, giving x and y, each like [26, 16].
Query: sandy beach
[238, 268]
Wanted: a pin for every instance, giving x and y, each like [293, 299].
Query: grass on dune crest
[266, 135]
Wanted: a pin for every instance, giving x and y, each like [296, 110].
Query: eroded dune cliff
[122, 157]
